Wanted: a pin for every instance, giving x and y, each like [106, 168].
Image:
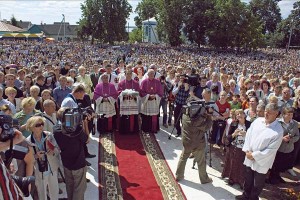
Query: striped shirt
[8, 189]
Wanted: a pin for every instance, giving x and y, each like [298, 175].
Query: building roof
[151, 20]
[53, 29]
[24, 24]
[5, 27]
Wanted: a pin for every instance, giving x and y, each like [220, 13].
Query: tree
[268, 12]
[233, 25]
[146, 9]
[170, 21]
[196, 20]
[135, 35]
[104, 20]
[284, 29]
[13, 21]
[91, 24]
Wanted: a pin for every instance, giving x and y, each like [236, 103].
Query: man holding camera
[167, 88]
[194, 126]
[72, 154]
[181, 92]
[71, 101]
[8, 186]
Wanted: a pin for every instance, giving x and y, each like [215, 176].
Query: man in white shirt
[49, 115]
[156, 74]
[70, 100]
[262, 141]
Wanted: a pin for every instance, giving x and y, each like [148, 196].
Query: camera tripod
[175, 124]
[208, 135]
[210, 148]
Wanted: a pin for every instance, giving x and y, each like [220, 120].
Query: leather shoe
[88, 163]
[241, 197]
[178, 135]
[179, 178]
[90, 155]
[208, 181]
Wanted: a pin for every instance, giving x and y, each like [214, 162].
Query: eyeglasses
[39, 125]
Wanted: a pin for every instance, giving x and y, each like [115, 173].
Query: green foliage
[222, 23]
[13, 21]
[146, 9]
[104, 20]
[268, 12]
[197, 19]
[135, 35]
[233, 25]
[170, 18]
[282, 34]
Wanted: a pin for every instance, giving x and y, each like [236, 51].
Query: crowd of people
[128, 87]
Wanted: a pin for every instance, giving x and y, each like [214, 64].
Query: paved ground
[191, 186]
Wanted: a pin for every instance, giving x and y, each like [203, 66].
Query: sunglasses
[39, 125]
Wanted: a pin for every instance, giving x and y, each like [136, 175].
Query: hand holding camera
[40, 154]
[286, 138]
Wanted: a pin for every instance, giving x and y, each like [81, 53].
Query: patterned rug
[133, 167]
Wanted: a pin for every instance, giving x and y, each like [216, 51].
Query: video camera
[73, 117]
[192, 80]
[7, 123]
[195, 109]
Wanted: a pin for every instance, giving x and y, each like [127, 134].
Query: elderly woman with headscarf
[105, 95]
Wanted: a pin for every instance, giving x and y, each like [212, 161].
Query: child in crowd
[235, 103]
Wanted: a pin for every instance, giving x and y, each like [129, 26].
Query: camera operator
[8, 187]
[71, 101]
[167, 88]
[71, 144]
[194, 127]
[181, 92]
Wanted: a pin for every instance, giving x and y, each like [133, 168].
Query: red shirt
[223, 107]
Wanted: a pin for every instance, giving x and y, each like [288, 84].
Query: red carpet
[137, 179]
[133, 167]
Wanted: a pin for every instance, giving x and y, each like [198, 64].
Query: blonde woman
[11, 93]
[28, 105]
[85, 79]
[46, 154]
[34, 92]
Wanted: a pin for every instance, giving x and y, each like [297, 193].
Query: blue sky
[49, 11]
